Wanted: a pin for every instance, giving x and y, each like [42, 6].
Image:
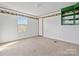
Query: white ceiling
[37, 8]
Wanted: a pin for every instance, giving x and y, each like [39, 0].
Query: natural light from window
[22, 24]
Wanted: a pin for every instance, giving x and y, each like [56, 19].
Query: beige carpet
[39, 46]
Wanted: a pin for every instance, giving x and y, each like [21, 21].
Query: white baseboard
[18, 39]
[62, 40]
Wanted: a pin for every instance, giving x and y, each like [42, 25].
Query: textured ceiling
[37, 8]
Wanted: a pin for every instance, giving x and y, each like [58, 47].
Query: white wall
[53, 29]
[40, 26]
[8, 28]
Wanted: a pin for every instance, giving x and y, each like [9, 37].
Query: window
[22, 24]
[70, 15]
